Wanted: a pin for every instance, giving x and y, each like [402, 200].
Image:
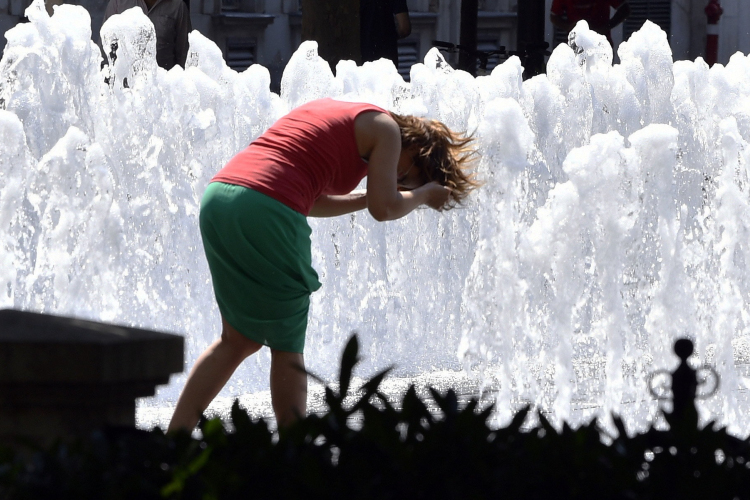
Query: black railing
[532, 57]
[479, 58]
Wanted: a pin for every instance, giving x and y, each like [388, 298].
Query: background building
[268, 31]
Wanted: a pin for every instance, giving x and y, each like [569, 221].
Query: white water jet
[614, 218]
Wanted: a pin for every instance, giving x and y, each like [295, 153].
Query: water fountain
[614, 216]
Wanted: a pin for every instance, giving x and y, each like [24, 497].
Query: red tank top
[309, 152]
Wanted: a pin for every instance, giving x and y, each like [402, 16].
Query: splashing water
[614, 218]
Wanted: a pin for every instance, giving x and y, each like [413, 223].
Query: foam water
[614, 216]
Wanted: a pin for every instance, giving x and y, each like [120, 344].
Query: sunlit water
[614, 218]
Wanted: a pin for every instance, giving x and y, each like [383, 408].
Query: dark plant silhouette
[393, 452]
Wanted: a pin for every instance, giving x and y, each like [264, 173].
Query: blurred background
[268, 32]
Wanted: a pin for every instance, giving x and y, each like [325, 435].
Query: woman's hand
[436, 196]
[379, 138]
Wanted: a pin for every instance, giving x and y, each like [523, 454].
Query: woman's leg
[209, 374]
[288, 386]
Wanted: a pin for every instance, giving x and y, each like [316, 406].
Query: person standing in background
[382, 24]
[171, 20]
[50, 4]
[564, 14]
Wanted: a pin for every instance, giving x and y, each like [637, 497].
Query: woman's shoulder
[371, 128]
[333, 105]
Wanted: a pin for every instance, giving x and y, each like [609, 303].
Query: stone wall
[62, 377]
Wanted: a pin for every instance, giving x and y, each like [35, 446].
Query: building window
[240, 53]
[408, 54]
[658, 12]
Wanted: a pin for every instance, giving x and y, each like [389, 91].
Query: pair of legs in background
[217, 364]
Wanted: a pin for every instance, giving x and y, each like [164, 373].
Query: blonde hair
[442, 155]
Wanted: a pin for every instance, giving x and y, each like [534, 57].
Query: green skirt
[258, 252]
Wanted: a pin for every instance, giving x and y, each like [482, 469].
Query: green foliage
[406, 452]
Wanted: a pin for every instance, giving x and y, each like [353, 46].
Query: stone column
[61, 377]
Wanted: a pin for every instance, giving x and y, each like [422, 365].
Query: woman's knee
[285, 360]
[239, 343]
[286, 356]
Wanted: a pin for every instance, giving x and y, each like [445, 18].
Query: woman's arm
[333, 205]
[403, 24]
[378, 134]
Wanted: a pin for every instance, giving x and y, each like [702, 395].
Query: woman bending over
[253, 221]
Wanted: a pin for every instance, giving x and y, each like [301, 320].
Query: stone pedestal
[61, 377]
